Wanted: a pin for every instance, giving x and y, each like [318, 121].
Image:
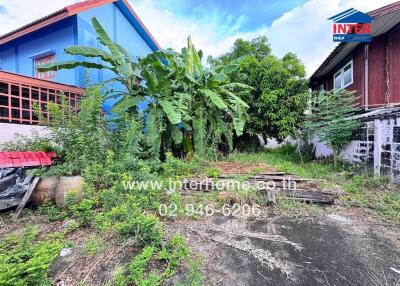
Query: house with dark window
[43, 41]
[372, 70]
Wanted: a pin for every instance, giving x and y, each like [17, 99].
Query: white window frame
[341, 72]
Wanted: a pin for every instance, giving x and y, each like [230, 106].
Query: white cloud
[211, 32]
[21, 12]
[304, 30]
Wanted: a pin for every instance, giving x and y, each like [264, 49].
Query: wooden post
[377, 147]
[26, 198]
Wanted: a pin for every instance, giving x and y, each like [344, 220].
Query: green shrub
[53, 212]
[173, 254]
[83, 211]
[213, 172]
[25, 261]
[194, 277]
[138, 267]
[129, 220]
[173, 167]
[35, 142]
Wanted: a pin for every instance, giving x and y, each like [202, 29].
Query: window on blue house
[43, 61]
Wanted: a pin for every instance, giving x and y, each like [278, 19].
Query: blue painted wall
[120, 29]
[8, 59]
[18, 55]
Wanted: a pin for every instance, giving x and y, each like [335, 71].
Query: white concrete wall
[351, 152]
[380, 147]
[8, 131]
[273, 143]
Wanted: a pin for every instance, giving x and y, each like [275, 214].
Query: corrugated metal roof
[379, 112]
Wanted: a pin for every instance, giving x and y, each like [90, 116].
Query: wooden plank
[231, 176]
[283, 178]
[26, 198]
[9, 203]
[305, 195]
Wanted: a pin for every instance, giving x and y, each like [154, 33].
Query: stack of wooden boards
[272, 184]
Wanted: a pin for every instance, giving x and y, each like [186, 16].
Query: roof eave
[70, 11]
[376, 14]
[34, 26]
[155, 45]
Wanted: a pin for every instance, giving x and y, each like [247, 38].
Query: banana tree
[116, 59]
[211, 100]
[188, 99]
[185, 99]
[141, 81]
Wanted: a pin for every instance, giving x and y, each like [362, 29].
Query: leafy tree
[330, 118]
[257, 48]
[279, 97]
[184, 98]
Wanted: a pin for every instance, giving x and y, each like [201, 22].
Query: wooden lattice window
[43, 61]
[17, 101]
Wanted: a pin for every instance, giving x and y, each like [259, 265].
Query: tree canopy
[330, 118]
[279, 95]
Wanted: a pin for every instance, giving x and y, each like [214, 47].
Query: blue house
[44, 40]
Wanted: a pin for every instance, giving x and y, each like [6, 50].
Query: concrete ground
[341, 247]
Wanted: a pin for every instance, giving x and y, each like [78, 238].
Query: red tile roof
[65, 13]
[28, 80]
[26, 159]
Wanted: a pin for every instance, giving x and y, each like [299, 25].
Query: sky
[298, 26]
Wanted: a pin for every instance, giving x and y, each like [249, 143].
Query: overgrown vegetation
[25, 260]
[193, 112]
[189, 106]
[279, 95]
[374, 195]
[107, 152]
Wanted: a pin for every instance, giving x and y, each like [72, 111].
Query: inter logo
[351, 26]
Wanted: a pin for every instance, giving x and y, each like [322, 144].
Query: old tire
[45, 191]
[69, 190]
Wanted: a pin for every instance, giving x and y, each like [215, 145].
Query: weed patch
[25, 260]
[373, 194]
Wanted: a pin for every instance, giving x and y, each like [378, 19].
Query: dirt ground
[242, 168]
[342, 247]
